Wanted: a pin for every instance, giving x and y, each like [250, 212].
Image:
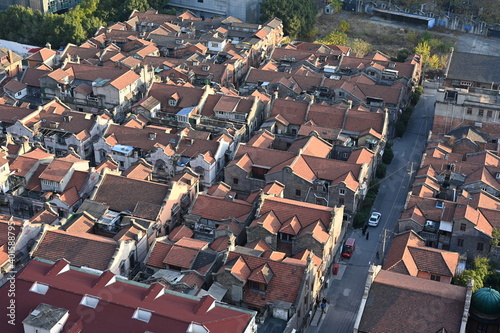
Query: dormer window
[205, 68]
[179, 41]
[39, 288]
[285, 237]
[142, 315]
[497, 175]
[257, 286]
[439, 204]
[172, 102]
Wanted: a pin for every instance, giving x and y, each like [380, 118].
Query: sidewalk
[319, 315]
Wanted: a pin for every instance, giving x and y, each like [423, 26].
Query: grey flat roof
[474, 67]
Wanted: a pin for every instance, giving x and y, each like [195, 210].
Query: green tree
[298, 16]
[360, 47]
[344, 26]
[131, 5]
[434, 61]
[424, 50]
[381, 171]
[495, 238]
[481, 268]
[334, 37]
[336, 5]
[158, 4]
[388, 154]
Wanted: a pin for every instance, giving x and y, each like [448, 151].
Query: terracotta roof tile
[80, 249]
[283, 286]
[56, 170]
[181, 257]
[394, 297]
[158, 254]
[219, 209]
[170, 311]
[220, 244]
[192, 243]
[45, 217]
[115, 192]
[408, 250]
[180, 232]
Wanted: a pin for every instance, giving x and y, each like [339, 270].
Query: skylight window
[90, 301]
[142, 315]
[39, 288]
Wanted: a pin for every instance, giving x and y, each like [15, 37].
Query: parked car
[349, 247]
[374, 219]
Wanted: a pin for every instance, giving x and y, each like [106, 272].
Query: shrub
[381, 171]
[400, 129]
[361, 217]
[388, 154]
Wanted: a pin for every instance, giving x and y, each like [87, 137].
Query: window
[142, 315]
[39, 288]
[200, 1]
[480, 112]
[257, 286]
[341, 201]
[482, 328]
[460, 242]
[489, 113]
[298, 193]
[235, 181]
[480, 247]
[469, 110]
[463, 227]
[435, 277]
[122, 164]
[172, 102]
[90, 301]
[285, 237]
[341, 191]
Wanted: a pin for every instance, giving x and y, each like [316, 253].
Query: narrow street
[346, 290]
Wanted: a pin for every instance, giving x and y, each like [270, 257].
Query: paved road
[345, 294]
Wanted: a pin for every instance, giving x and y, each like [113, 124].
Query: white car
[374, 219]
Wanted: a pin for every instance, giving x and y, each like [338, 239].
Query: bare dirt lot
[390, 37]
[386, 36]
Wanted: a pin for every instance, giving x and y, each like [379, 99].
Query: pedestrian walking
[323, 307]
[323, 304]
[367, 235]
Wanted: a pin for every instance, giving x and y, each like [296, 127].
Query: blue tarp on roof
[123, 149]
[186, 110]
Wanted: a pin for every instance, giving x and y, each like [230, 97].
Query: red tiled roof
[180, 256]
[409, 255]
[394, 298]
[82, 249]
[158, 254]
[115, 192]
[180, 232]
[284, 285]
[218, 209]
[169, 310]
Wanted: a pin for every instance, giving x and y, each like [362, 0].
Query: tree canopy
[483, 272]
[75, 26]
[298, 16]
